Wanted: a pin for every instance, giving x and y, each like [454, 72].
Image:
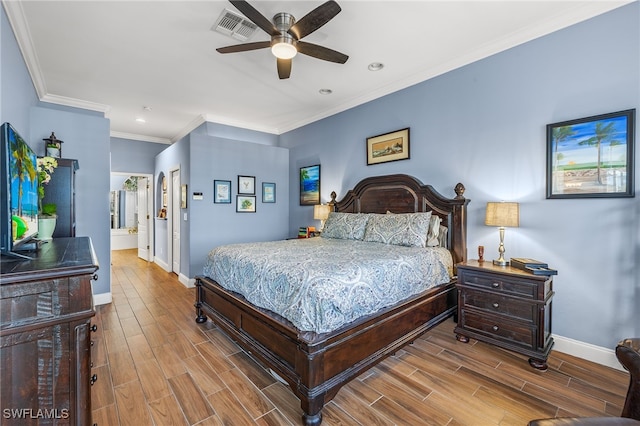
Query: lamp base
[501, 262]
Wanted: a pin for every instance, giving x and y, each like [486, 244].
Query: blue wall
[484, 125]
[134, 156]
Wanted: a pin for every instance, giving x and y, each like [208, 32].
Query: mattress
[320, 284]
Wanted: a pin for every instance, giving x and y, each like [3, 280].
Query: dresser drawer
[496, 303]
[498, 328]
[499, 283]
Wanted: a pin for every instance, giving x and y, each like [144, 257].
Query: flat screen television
[19, 194]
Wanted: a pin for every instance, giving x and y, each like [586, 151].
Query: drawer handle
[495, 285]
[91, 343]
[94, 277]
[495, 328]
[94, 328]
[94, 379]
[496, 305]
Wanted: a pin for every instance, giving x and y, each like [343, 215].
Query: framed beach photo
[310, 185]
[392, 146]
[222, 191]
[247, 185]
[591, 157]
[268, 192]
[246, 203]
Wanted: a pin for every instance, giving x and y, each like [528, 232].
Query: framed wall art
[246, 203]
[247, 185]
[183, 196]
[392, 146]
[310, 185]
[268, 192]
[222, 191]
[591, 157]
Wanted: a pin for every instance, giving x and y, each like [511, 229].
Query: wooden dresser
[46, 306]
[507, 307]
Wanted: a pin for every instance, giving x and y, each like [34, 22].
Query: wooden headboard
[406, 194]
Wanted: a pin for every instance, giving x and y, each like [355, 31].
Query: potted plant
[47, 212]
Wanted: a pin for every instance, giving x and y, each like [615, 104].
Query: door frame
[150, 198]
[170, 213]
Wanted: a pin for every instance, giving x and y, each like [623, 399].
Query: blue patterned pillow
[345, 226]
[407, 229]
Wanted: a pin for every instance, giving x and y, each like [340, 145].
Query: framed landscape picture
[591, 157]
[392, 146]
[246, 203]
[310, 185]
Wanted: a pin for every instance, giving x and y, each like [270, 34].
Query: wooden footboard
[315, 365]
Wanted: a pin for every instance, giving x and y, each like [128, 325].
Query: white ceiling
[119, 56]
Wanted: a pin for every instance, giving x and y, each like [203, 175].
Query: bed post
[200, 316]
[459, 236]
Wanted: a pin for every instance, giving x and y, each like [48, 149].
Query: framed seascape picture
[246, 203]
[392, 146]
[591, 157]
[310, 185]
[222, 191]
[247, 185]
[268, 192]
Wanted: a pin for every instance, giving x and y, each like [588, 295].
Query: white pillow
[433, 239]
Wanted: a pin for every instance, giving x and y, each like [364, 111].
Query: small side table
[506, 307]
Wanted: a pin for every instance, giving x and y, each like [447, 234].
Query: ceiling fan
[286, 35]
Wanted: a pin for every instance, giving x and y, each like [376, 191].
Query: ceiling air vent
[234, 25]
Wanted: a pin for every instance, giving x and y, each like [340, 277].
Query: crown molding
[142, 138]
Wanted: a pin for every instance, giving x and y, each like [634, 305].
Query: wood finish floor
[156, 366]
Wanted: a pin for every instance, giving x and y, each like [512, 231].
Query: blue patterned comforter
[321, 284]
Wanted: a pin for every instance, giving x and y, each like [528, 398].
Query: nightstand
[506, 307]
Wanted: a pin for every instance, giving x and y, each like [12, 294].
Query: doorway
[130, 210]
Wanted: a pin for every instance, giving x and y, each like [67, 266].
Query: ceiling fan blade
[321, 52]
[255, 17]
[314, 19]
[284, 68]
[244, 47]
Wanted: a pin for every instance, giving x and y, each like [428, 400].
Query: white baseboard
[164, 265]
[586, 351]
[102, 299]
[186, 281]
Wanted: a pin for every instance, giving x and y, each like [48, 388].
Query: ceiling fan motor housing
[282, 44]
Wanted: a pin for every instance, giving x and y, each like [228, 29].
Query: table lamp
[321, 213]
[502, 214]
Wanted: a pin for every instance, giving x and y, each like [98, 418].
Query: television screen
[20, 201]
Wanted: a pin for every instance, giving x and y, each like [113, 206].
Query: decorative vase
[46, 226]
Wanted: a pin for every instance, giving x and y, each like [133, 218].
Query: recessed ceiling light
[141, 120]
[147, 108]
[325, 91]
[375, 66]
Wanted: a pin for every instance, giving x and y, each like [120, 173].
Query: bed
[316, 364]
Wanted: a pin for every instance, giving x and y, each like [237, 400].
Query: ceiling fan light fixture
[283, 46]
[375, 66]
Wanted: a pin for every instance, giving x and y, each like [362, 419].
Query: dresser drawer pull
[495, 285]
[94, 379]
[496, 305]
[94, 328]
[94, 277]
[495, 328]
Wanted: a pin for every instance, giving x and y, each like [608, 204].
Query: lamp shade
[502, 214]
[321, 211]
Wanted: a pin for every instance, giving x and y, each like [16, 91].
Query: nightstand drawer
[498, 328]
[498, 304]
[499, 283]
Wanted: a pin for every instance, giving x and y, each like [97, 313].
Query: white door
[143, 219]
[175, 219]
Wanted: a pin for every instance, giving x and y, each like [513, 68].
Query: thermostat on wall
[198, 196]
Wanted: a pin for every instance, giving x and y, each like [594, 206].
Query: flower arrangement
[46, 166]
